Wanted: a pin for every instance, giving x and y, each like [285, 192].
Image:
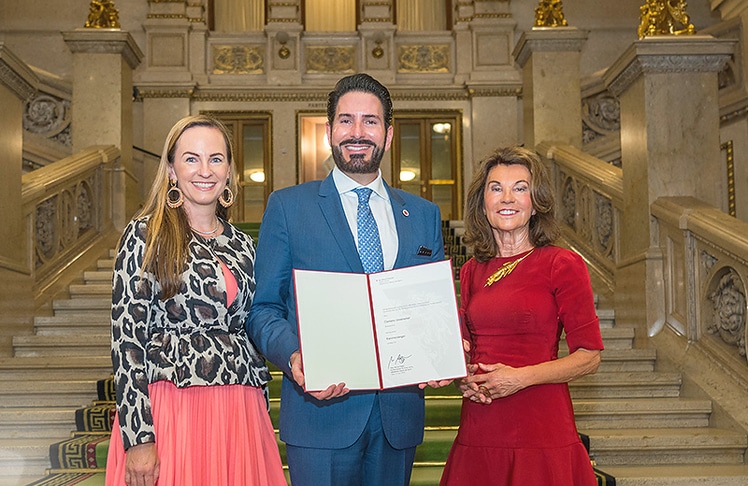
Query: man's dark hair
[365, 84]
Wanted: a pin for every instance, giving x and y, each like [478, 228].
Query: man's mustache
[357, 141]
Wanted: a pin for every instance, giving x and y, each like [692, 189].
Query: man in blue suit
[336, 436]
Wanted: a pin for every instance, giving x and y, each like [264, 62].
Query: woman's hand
[142, 465]
[500, 381]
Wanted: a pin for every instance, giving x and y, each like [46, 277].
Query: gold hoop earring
[174, 196]
[226, 198]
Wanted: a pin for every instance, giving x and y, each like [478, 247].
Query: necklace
[505, 270]
[208, 233]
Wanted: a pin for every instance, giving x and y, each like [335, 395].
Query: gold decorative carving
[663, 17]
[423, 59]
[264, 97]
[144, 93]
[550, 13]
[730, 163]
[494, 92]
[102, 15]
[166, 16]
[238, 60]
[330, 59]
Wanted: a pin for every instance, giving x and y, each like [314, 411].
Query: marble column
[103, 61]
[18, 83]
[552, 107]
[670, 146]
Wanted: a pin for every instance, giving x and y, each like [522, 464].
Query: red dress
[528, 438]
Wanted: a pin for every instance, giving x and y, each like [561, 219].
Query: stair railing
[68, 206]
[589, 201]
[705, 277]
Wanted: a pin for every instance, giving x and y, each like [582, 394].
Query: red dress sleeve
[575, 302]
[465, 285]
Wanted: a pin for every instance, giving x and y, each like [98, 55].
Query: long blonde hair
[169, 234]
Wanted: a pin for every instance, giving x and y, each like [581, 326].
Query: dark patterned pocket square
[423, 251]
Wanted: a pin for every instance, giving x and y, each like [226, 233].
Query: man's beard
[358, 164]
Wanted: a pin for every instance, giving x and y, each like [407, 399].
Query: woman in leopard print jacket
[190, 386]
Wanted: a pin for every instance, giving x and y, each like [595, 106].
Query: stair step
[51, 423]
[426, 474]
[617, 337]
[627, 360]
[62, 345]
[680, 475]
[100, 276]
[607, 317]
[90, 290]
[626, 385]
[21, 458]
[666, 446]
[595, 414]
[614, 359]
[436, 445]
[92, 306]
[78, 325]
[105, 263]
[47, 393]
[46, 368]
[642, 413]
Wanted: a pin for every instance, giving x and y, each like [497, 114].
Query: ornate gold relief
[663, 17]
[102, 15]
[730, 164]
[330, 59]
[423, 59]
[238, 60]
[550, 13]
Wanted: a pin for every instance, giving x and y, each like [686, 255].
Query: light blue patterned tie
[369, 245]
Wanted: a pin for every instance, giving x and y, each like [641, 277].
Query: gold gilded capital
[550, 13]
[664, 17]
[102, 15]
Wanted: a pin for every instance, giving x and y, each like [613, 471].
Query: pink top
[231, 287]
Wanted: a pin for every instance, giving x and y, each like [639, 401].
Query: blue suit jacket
[304, 227]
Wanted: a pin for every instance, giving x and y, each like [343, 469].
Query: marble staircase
[642, 429]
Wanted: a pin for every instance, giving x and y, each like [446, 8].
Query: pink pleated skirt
[207, 435]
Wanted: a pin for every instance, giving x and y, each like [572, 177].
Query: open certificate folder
[381, 330]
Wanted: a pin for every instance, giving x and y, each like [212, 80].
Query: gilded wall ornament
[102, 15]
[550, 13]
[330, 59]
[423, 59]
[238, 60]
[664, 17]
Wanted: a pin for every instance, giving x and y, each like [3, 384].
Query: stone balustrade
[589, 201]
[704, 276]
[67, 208]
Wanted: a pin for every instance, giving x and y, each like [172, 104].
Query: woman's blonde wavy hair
[543, 226]
[169, 233]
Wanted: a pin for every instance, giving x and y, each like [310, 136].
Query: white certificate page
[382, 330]
[335, 330]
[418, 327]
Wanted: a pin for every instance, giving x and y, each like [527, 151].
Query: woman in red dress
[518, 295]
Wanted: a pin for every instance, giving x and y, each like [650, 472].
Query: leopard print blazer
[189, 339]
